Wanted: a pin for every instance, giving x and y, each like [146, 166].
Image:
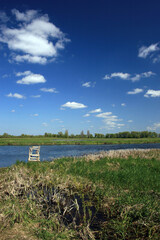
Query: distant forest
[133, 134]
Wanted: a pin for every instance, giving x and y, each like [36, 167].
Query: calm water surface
[10, 154]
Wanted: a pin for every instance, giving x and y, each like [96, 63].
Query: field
[19, 141]
[114, 195]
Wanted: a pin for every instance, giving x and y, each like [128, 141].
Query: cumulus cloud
[135, 91]
[130, 121]
[30, 78]
[86, 115]
[29, 58]
[96, 110]
[13, 111]
[49, 90]
[152, 93]
[24, 17]
[16, 95]
[110, 121]
[26, 73]
[104, 115]
[32, 37]
[88, 84]
[123, 104]
[73, 105]
[127, 76]
[154, 127]
[117, 75]
[110, 124]
[144, 51]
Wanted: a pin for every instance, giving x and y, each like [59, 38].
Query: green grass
[75, 198]
[19, 141]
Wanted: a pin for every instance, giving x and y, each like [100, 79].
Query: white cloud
[13, 111]
[131, 77]
[152, 93]
[130, 121]
[31, 78]
[24, 17]
[16, 95]
[117, 75]
[156, 59]
[154, 127]
[135, 91]
[37, 39]
[86, 115]
[88, 84]
[26, 73]
[36, 96]
[104, 115]
[96, 110]
[110, 121]
[29, 58]
[147, 74]
[36, 115]
[146, 51]
[137, 77]
[50, 90]
[73, 105]
[110, 124]
[123, 104]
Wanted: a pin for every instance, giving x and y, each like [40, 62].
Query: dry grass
[125, 154]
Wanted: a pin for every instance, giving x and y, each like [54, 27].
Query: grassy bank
[116, 196]
[19, 141]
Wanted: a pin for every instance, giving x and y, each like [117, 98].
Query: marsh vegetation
[104, 196]
[26, 141]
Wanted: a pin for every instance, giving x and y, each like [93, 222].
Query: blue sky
[79, 65]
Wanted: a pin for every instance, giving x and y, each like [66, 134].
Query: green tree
[66, 135]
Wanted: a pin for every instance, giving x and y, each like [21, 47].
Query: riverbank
[113, 195]
[19, 141]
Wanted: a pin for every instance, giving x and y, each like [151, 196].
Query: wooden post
[34, 153]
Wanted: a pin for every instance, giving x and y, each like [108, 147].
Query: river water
[10, 154]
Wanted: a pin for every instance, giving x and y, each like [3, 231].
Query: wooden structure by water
[34, 153]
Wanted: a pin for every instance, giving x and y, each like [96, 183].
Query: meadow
[114, 195]
[25, 141]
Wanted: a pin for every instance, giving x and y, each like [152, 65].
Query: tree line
[133, 134]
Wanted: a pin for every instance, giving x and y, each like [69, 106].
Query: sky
[79, 65]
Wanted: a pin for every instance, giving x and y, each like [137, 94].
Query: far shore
[28, 141]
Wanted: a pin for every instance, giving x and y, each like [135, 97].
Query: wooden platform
[34, 154]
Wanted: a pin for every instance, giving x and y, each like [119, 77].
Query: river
[10, 154]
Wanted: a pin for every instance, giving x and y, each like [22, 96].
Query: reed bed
[125, 153]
